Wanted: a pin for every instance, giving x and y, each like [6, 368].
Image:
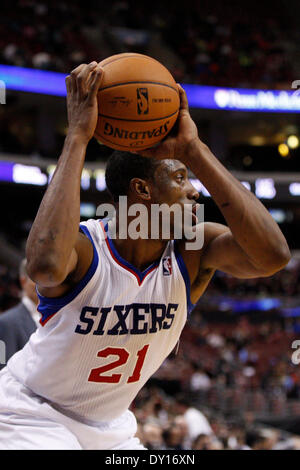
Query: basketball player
[111, 311]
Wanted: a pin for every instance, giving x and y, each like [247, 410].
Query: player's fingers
[184, 104]
[68, 82]
[96, 78]
[73, 76]
[83, 75]
[159, 151]
[77, 69]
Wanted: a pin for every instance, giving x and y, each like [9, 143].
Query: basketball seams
[138, 120]
[136, 83]
[127, 56]
[127, 147]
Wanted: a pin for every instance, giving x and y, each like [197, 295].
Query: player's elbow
[278, 259]
[45, 272]
[282, 256]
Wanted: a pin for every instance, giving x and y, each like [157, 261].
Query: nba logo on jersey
[167, 266]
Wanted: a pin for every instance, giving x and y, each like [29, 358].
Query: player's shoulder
[91, 227]
[95, 230]
[85, 260]
[91, 235]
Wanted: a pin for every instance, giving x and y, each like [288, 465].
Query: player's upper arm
[79, 263]
[224, 253]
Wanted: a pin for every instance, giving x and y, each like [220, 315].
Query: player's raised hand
[176, 146]
[82, 88]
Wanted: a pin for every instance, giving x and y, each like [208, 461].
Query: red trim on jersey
[119, 262]
[46, 319]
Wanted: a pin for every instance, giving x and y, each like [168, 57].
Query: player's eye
[180, 177]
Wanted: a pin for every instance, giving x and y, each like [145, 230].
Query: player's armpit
[79, 263]
[225, 254]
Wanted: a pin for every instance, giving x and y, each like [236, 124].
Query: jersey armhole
[49, 306]
[186, 277]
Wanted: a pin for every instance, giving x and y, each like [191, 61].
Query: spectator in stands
[18, 323]
[223, 50]
[207, 442]
[196, 422]
[262, 439]
[237, 438]
[174, 437]
[152, 436]
[199, 381]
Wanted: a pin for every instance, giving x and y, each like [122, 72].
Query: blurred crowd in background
[226, 48]
[168, 423]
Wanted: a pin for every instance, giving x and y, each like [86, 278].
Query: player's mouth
[195, 219]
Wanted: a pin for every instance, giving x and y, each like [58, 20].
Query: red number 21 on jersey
[96, 375]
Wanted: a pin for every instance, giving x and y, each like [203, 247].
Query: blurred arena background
[235, 365]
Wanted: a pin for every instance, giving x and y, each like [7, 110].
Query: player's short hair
[122, 167]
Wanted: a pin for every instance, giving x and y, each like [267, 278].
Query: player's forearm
[55, 229]
[251, 224]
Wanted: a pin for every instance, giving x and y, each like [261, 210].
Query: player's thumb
[184, 104]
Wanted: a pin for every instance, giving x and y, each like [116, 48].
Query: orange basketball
[138, 102]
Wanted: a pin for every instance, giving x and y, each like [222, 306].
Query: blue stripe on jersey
[48, 306]
[125, 264]
[185, 275]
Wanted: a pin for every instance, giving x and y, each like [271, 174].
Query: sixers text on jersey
[146, 318]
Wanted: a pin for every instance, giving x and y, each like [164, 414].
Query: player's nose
[192, 192]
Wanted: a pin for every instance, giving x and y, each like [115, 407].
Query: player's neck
[141, 253]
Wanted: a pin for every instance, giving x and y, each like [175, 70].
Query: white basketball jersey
[101, 342]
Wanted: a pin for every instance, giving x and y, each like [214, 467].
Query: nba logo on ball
[142, 101]
[167, 266]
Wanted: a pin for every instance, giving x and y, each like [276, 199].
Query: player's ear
[140, 188]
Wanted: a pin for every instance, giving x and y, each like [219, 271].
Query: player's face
[172, 184]
[172, 187]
